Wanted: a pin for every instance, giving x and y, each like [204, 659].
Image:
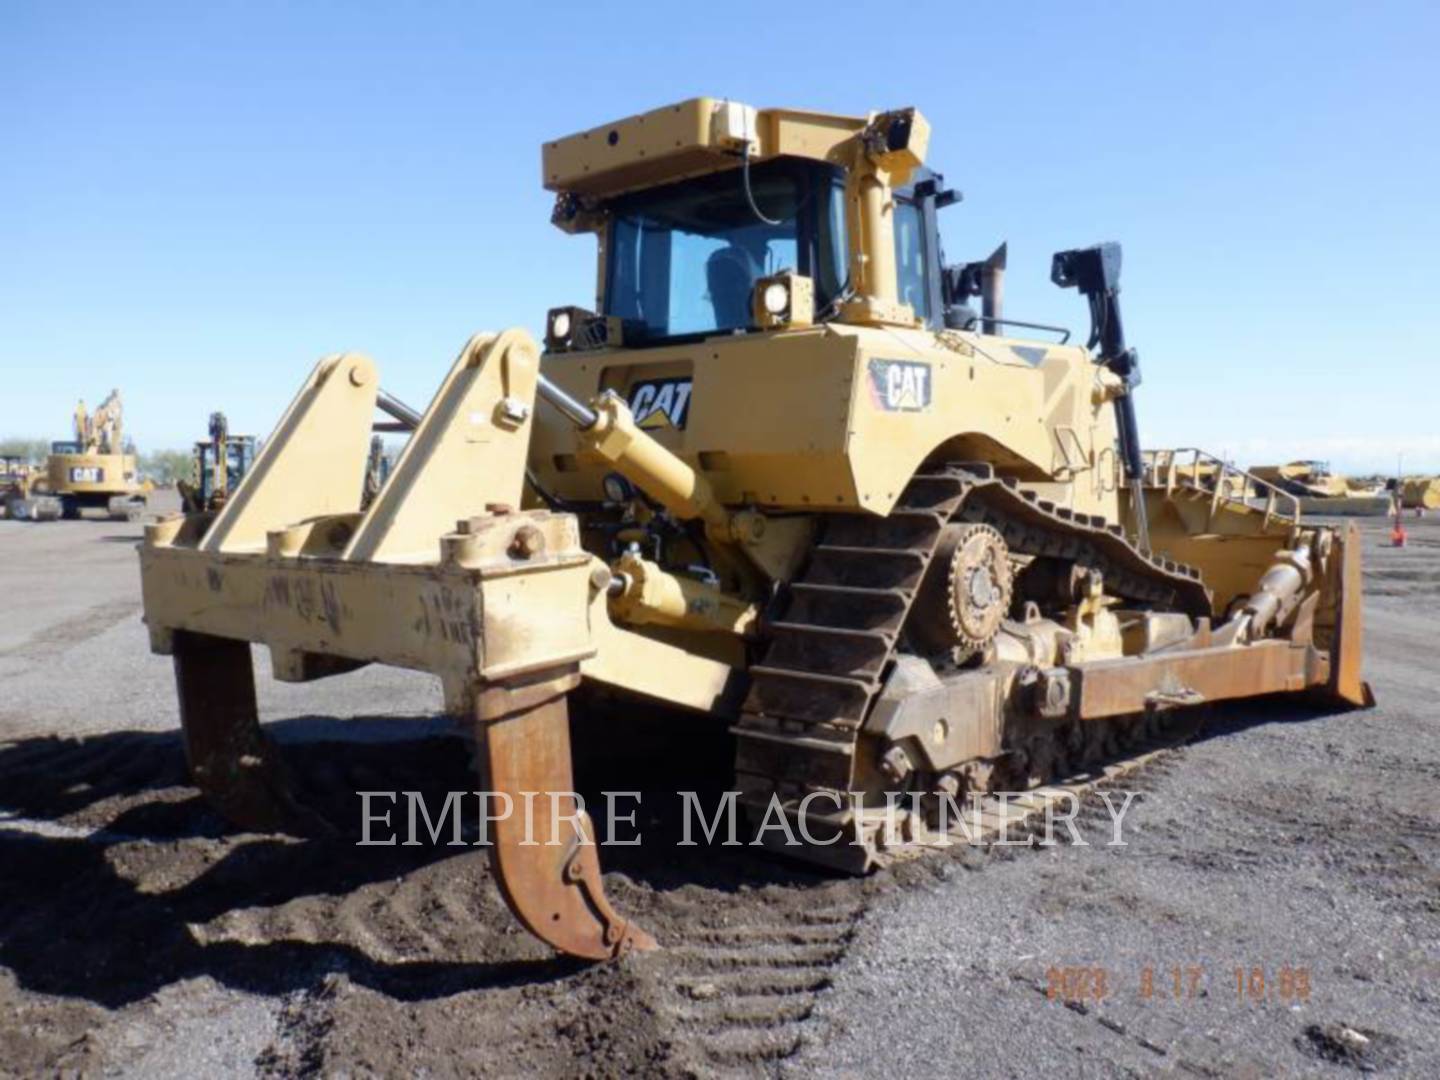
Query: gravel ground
[140, 936]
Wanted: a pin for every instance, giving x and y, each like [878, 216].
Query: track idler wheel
[521, 737]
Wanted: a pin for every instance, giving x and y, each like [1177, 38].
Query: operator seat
[730, 275]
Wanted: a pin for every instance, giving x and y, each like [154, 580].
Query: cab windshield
[684, 259]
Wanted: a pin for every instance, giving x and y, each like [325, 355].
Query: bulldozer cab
[700, 205]
[684, 258]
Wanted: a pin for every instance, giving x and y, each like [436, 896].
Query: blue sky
[198, 200]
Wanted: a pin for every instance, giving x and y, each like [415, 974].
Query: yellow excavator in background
[94, 470]
[781, 474]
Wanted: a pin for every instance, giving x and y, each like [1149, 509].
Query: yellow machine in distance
[217, 465]
[17, 477]
[94, 470]
[780, 474]
[1321, 491]
[1420, 492]
[1304, 478]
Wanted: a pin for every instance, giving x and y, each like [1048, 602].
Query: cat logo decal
[900, 385]
[661, 403]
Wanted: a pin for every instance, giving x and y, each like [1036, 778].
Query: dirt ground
[139, 935]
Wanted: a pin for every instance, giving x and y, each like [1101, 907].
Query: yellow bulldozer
[782, 472]
[1320, 491]
[1309, 479]
[92, 471]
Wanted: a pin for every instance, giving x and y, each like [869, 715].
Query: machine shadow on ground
[113, 864]
[88, 913]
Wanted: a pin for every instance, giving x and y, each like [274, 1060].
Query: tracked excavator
[781, 472]
[93, 470]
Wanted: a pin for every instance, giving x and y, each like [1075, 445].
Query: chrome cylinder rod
[580, 414]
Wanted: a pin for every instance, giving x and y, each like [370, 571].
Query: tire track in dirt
[741, 986]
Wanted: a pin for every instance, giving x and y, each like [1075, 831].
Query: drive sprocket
[967, 591]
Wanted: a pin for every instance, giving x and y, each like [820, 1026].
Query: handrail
[1163, 469]
[992, 321]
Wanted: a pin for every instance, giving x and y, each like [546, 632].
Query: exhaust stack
[992, 291]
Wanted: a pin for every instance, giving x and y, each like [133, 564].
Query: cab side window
[910, 258]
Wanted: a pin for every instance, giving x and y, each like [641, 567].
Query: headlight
[617, 488]
[781, 301]
[777, 298]
[563, 325]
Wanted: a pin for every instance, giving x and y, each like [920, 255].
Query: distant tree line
[32, 450]
[167, 466]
